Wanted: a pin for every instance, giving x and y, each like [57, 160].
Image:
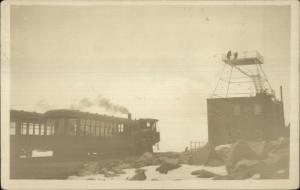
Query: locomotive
[70, 133]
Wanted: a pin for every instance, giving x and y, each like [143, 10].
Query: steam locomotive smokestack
[129, 116]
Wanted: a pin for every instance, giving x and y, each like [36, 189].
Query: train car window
[50, 127]
[156, 127]
[36, 129]
[88, 128]
[48, 130]
[24, 129]
[93, 129]
[148, 124]
[114, 128]
[102, 130]
[42, 130]
[106, 130]
[97, 131]
[93, 132]
[61, 126]
[71, 127]
[76, 129]
[121, 128]
[81, 127]
[110, 129]
[12, 128]
[52, 130]
[30, 130]
[88, 122]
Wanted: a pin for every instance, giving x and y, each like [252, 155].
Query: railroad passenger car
[74, 133]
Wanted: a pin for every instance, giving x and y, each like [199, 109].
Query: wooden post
[281, 97]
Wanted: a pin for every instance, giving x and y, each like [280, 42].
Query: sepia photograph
[149, 94]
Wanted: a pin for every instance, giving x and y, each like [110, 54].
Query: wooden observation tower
[242, 69]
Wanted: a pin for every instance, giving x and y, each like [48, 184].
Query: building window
[257, 109]
[236, 110]
[12, 128]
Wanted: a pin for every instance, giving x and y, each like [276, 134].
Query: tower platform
[245, 58]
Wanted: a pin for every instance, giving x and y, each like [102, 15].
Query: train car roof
[67, 113]
[80, 114]
[26, 115]
[148, 119]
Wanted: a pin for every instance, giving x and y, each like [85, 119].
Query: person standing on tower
[229, 54]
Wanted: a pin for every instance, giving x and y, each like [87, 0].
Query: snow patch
[182, 173]
[222, 146]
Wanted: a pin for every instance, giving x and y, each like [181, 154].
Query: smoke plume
[101, 102]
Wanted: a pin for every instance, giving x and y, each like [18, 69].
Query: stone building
[253, 118]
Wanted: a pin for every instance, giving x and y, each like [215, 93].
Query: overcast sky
[158, 61]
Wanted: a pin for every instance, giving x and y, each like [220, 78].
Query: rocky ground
[241, 160]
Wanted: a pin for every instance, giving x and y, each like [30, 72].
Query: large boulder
[139, 175]
[223, 152]
[260, 148]
[280, 174]
[146, 159]
[185, 157]
[204, 174]
[167, 165]
[110, 174]
[278, 160]
[117, 170]
[203, 155]
[168, 154]
[238, 151]
[247, 168]
[281, 142]
[89, 169]
[122, 166]
[107, 173]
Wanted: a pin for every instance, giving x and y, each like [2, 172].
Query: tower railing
[245, 55]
